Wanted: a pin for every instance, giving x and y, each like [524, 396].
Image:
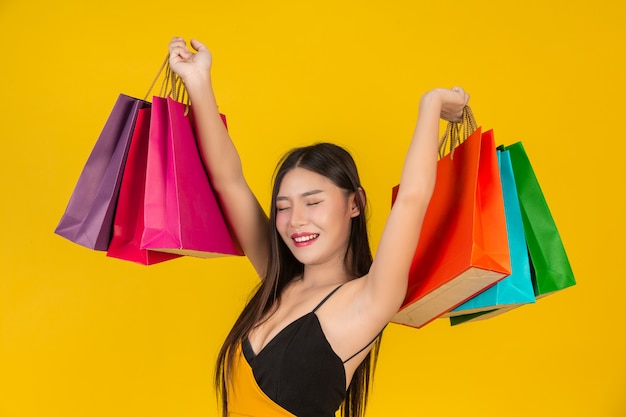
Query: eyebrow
[306, 194]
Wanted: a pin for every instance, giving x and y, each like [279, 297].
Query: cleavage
[278, 327]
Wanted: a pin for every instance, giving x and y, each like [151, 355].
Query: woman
[302, 344]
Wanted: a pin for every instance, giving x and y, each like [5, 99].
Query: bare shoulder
[346, 319]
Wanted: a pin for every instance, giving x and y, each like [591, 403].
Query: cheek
[327, 217]
[281, 220]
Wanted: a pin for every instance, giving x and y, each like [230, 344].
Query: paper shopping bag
[516, 289]
[181, 210]
[480, 315]
[463, 247]
[550, 267]
[88, 218]
[128, 223]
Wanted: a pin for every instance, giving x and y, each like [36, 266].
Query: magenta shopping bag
[128, 224]
[88, 218]
[181, 210]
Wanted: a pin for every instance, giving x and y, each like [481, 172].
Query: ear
[354, 203]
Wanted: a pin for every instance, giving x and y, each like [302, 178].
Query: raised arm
[386, 284]
[243, 211]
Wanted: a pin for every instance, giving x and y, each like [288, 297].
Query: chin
[305, 260]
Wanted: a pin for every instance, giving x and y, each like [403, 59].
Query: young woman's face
[313, 216]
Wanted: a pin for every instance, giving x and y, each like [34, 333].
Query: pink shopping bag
[181, 211]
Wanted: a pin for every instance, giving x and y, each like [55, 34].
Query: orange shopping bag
[463, 247]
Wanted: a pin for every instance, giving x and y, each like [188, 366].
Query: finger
[178, 47]
[177, 42]
[181, 51]
[458, 90]
[461, 92]
[198, 46]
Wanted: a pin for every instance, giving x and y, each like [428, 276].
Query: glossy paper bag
[88, 218]
[550, 267]
[128, 224]
[516, 289]
[181, 210]
[463, 247]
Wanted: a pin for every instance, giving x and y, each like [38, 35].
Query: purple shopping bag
[88, 218]
[181, 211]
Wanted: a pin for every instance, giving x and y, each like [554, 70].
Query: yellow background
[86, 335]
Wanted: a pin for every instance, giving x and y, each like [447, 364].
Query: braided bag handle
[171, 86]
[457, 132]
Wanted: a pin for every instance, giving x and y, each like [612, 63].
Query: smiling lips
[304, 239]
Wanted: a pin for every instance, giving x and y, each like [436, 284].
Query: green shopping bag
[550, 267]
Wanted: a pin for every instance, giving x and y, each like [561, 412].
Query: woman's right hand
[189, 65]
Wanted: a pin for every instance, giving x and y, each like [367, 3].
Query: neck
[325, 275]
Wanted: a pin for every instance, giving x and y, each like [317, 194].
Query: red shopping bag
[181, 210]
[128, 224]
[463, 247]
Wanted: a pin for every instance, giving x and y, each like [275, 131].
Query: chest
[298, 369]
[278, 319]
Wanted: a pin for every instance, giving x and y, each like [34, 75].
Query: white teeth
[301, 239]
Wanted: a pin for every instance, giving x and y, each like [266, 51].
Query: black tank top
[299, 370]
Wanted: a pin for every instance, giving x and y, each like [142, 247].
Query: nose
[298, 216]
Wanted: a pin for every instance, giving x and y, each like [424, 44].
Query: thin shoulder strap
[366, 346]
[326, 298]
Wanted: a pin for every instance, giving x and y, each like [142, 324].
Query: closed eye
[314, 203]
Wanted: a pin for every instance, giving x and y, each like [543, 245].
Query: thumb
[198, 46]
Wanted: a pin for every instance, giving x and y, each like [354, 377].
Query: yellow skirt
[245, 397]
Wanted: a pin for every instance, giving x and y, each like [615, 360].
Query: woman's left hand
[452, 103]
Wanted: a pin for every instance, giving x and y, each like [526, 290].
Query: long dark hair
[336, 164]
